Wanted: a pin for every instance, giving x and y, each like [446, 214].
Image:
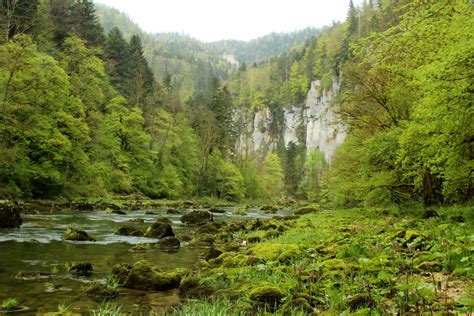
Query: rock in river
[77, 235]
[9, 216]
[197, 217]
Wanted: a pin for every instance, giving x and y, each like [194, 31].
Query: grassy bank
[343, 261]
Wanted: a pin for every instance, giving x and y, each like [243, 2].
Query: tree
[43, 131]
[16, 17]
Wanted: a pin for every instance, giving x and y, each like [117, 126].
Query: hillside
[192, 62]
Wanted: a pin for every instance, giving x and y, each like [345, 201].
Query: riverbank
[344, 261]
[248, 261]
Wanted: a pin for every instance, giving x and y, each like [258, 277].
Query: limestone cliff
[313, 124]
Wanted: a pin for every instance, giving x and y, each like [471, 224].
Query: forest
[99, 115]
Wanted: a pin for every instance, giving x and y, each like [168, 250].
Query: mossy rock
[197, 217]
[100, 292]
[159, 229]
[230, 260]
[193, 287]
[169, 243]
[202, 241]
[212, 253]
[77, 235]
[120, 272]
[140, 248]
[271, 251]
[360, 300]
[273, 233]
[334, 267]
[307, 210]
[269, 209]
[208, 228]
[128, 230]
[254, 239]
[267, 297]
[288, 255]
[428, 261]
[298, 304]
[82, 269]
[231, 246]
[144, 276]
[429, 214]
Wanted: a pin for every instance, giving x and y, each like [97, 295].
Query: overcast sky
[211, 20]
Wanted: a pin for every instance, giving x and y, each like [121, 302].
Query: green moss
[307, 210]
[267, 297]
[271, 251]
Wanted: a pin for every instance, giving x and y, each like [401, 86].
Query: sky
[211, 20]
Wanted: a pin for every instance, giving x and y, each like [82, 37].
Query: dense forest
[84, 115]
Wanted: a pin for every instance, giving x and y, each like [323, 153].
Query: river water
[38, 246]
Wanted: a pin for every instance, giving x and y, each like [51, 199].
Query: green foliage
[272, 177]
[9, 304]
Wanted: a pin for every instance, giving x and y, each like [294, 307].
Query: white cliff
[314, 123]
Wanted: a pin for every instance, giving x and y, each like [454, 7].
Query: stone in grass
[159, 229]
[307, 210]
[169, 243]
[77, 235]
[360, 300]
[429, 214]
[267, 297]
[212, 253]
[193, 287]
[298, 304]
[82, 269]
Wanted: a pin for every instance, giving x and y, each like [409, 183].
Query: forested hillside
[91, 113]
[190, 62]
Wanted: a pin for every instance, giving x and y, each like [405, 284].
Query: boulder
[307, 210]
[144, 276]
[9, 216]
[129, 230]
[82, 269]
[197, 217]
[77, 235]
[193, 287]
[168, 243]
[267, 297]
[101, 292]
[212, 253]
[159, 229]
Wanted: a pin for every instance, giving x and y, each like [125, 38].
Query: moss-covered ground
[344, 261]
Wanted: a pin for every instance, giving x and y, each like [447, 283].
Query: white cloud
[211, 20]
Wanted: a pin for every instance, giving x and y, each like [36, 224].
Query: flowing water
[38, 246]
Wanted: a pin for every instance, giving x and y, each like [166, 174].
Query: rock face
[313, 124]
[9, 216]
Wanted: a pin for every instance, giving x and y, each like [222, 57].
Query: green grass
[369, 261]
